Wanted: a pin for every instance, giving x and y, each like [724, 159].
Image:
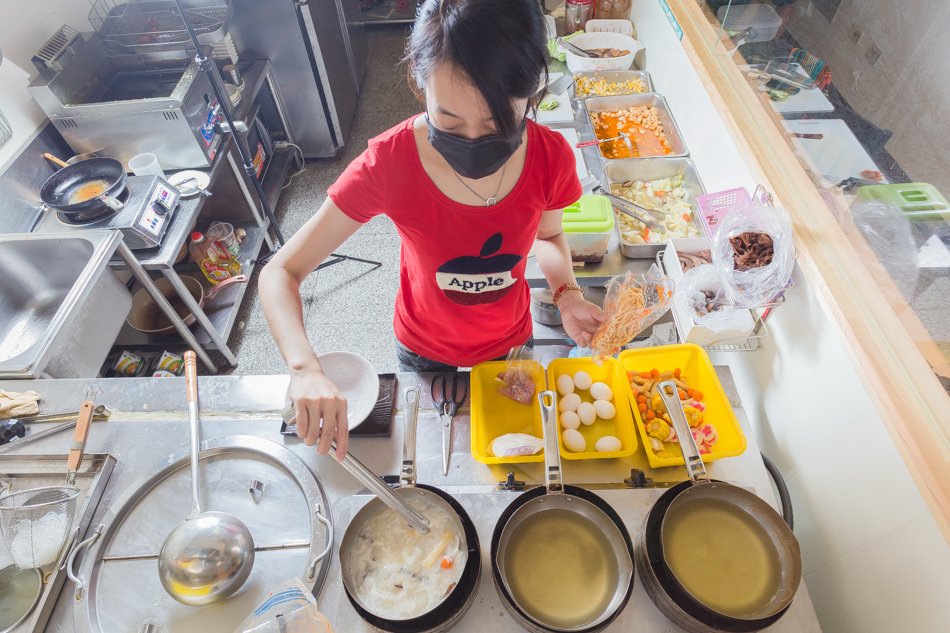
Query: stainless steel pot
[451, 610]
[557, 496]
[543, 309]
[661, 584]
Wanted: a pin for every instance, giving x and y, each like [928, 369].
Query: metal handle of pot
[328, 524]
[408, 473]
[375, 485]
[552, 457]
[694, 462]
[80, 586]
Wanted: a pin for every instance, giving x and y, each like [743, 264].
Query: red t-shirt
[462, 294]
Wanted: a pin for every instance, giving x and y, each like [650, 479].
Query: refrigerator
[318, 52]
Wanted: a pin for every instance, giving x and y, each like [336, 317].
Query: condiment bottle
[214, 261]
[576, 14]
[613, 9]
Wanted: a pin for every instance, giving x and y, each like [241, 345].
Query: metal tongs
[563, 43]
[632, 209]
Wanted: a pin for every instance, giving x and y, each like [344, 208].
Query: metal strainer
[37, 523]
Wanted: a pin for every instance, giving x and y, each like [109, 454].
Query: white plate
[357, 380]
[192, 189]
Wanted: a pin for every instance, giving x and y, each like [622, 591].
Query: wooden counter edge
[902, 385]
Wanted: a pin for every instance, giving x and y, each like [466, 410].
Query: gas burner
[93, 215]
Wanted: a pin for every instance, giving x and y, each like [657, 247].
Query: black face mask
[474, 158]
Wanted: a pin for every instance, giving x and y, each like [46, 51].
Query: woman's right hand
[321, 411]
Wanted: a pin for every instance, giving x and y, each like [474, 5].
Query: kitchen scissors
[447, 399]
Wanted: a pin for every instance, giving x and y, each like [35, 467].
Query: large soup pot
[456, 603]
[668, 593]
[592, 515]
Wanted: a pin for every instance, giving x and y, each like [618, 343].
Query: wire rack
[6, 132]
[145, 27]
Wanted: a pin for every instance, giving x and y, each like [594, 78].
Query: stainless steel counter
[149, 424]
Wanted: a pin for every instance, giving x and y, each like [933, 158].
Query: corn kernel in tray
[600, 87]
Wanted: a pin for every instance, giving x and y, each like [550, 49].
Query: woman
[471, 185]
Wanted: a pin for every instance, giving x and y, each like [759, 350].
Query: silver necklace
[493, 199]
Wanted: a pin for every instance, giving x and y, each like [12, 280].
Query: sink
[61, 307]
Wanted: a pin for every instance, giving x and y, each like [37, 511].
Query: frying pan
[453, 607]
[59, 189]
[146, 317]
[660, 581]
[557, 496]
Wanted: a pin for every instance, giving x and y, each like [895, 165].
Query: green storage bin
[918, 200]
[588, 224]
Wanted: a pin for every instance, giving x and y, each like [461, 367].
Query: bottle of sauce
[576, 14]
[213, 260]
[613, 9]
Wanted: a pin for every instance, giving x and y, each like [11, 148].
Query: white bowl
[576, 63]
[356, 379]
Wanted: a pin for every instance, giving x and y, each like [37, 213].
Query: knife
[556, 87]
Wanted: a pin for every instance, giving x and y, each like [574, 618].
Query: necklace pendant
[490, 202]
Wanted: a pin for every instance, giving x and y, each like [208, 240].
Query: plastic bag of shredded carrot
[633, 304]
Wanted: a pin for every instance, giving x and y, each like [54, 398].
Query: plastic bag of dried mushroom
[754, 253]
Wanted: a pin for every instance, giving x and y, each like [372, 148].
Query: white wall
[25, 27]
[875, 561]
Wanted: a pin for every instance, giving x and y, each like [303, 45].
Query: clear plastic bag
[753, 251]
[290, 608]
[521, 375]
[700, 294]
[633, 304]
[889, 235]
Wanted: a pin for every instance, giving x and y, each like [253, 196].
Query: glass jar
[576, 14]
[613, 9]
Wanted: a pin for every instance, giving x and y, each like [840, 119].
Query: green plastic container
[588, 224]
[918, 200]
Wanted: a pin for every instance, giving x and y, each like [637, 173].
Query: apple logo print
[470, 280]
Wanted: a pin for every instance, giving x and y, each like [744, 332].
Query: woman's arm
[315, 397]
[579, 316]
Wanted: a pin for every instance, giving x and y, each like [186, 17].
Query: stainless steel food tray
[119, 587]
[21, 472]
[609, 104]
[616, 76]
[617, 171]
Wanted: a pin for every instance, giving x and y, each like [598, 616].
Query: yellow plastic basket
[698, 373]
[493, 414]
[620, 427]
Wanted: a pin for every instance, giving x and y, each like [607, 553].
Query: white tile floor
[346, 306]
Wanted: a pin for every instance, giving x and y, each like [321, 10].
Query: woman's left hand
[580, 317]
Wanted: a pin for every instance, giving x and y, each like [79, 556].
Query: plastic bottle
[214, 261]
[576, 15]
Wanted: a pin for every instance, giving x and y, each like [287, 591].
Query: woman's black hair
[501, 45]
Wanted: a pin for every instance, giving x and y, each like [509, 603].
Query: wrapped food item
[701, 297]
[170, 362]
[516, 445]
[522, 372]
[754, 254]
[128, 364]
[632, 305]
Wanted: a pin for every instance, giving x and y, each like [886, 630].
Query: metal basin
[60, 305]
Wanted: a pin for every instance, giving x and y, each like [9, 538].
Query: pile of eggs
[574, 412]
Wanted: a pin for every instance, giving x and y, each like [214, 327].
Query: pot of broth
[713, 556]
[402, 581]
[85, 186]
[562, 559]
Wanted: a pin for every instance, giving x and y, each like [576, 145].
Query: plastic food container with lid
[762, 19]
[588, 224]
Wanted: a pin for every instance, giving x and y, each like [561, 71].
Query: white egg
[600, 391]
[570, 402]
[605, 410]
[608, 444]
[587, 413]
[582, 380]
[574, 441]
[564, 384]
[570, 420]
